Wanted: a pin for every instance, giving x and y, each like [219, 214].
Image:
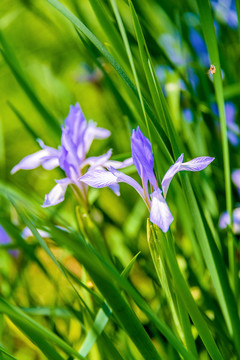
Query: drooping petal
[143, 158]
[103, 178]
[236, 177]
[31, 161]
[170, 174]
[57, 194]
[121, 177]
[115, 189]
[50, 163]
[197, 164]
[99, 178]
[160, 214]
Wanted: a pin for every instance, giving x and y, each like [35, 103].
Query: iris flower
[150, 191]
[71, 156]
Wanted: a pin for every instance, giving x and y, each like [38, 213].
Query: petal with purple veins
[197, 164]
[57, 194]
[160, 214]
[170, 174]
[31, 161]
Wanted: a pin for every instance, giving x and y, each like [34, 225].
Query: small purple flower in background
[5, 239]
[172, 46]
[71, 156]
[150, 192]
[236, 179]
[233, 130]
[224, 220]
[225, 12]
[199, 46]
[187, 115]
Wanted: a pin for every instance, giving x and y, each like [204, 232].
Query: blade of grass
[2, 350]
[211, 41]
[31, 326]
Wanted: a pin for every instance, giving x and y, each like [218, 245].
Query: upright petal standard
[150, 191]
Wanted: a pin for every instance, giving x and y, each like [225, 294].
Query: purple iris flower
[224, 220]
[233, 130]
[225, 12]
[71, 156]
[150, 191]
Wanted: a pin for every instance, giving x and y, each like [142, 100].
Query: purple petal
[143, 158]
[4, 237]
[224, 220]
[121, 177]
[93, 132]
[230, 111]
[170, 174]
[99, 178]
[75, 124]
[233, 138]
[160, 214]
[236, 178]
[31, 161]
[115, 189]
[57, 194]
[197, 164]
[103, 178]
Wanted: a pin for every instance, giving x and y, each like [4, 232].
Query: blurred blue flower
[199, 46]
[71, 156]
[225, 12]
[5, 239]
[233, 130]
[150, 192]
[224, 220]
[236, 179]
[188, 115]
[174, 49]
